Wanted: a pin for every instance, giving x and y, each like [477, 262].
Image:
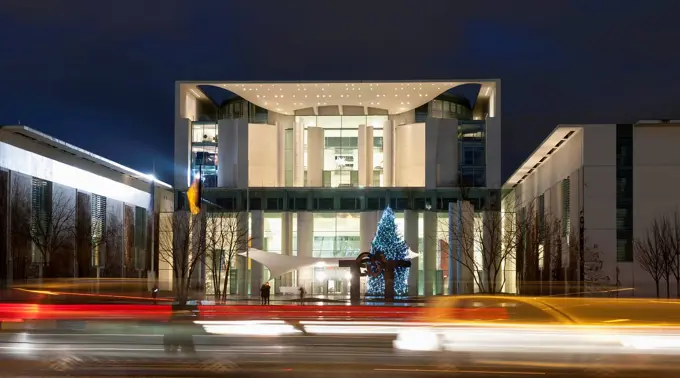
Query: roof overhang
[286, 97]
[9, 133]
[550, 145]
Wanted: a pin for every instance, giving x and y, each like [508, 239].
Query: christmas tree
[389, 243]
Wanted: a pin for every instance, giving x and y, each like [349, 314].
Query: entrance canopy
[282, 264]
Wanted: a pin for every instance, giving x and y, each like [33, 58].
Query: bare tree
[226, 236]
[673, 257]
[51, 231]
[181, 245]
[650, 252]
[484, 243]
[20, 224]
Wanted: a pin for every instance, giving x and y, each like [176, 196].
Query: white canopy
[282, 264]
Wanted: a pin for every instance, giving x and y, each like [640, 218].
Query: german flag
[194, 197]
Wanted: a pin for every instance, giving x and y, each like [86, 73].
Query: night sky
[100, 73]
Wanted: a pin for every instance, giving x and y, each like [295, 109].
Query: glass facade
[472, 153]
[204, 152]
[624, 193]
[341, 148]
[341, 143]
[442, 108]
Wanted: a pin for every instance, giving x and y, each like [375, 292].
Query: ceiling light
[359, 95]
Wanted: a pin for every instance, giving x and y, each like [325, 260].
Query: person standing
[263, 294]
[267, 292]
[302, 294]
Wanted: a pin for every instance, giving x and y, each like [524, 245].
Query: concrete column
[447, 164]
[315, 143]
[227, 149]
[244, 280]
[411, 239]
[281, 154]
[257, 235]
[286, 244]
[241, 153]
[368, 223]
[298, 154]
[365, 148]
[463, 235]
[361, 155]
[431, 136]
[430, 250]
[182, 153]
[369, 156]
[305, 244]
[388, 154]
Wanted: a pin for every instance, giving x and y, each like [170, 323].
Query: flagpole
[153, 220]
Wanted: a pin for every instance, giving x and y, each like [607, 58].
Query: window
[41, 203]
[566, 210]
[624, 192]
[98, 217]
[140, 238]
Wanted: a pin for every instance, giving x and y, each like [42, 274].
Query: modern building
[607, 183]
[66, 212]
[315, 163]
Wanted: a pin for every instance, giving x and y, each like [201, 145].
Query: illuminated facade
[315, 163]
[96, 210]
[605, 185]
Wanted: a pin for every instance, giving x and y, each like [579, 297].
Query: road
[291, 356]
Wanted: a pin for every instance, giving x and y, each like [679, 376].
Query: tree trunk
[656, 282]
[225, 289]
[677, 286]
[668, 288]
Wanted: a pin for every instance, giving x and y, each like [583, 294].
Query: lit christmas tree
[389, 243]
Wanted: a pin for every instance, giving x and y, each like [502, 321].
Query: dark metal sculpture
[374, 264]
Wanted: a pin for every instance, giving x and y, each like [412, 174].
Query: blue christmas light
[388, 242]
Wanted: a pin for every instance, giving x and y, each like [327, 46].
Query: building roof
[14, 134]
[552, 143]
[286, 97]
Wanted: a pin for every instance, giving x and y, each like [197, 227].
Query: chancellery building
[313, 164]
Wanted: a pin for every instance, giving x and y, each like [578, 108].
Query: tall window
[41, 202]
[566, 210]
[624, 193]
[98, 215]
[472, 153]
[204, 152]
[140, 238]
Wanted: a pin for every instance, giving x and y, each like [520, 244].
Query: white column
[298, 154]
[368, 223]
[431, 137]
[411, 239]
[242, 153]
[388, 154]
[369, 156]
[244, 282]
[182, 153]
[286, 243]
[430, 250]
[361, 155]
[257, 235]
[315, 142]
[467, 228]
[227, 142]
[305, 244]
[281, 154]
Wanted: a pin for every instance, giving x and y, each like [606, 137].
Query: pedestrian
[263, 294]
[267, 292]
[154, 293]
[302, 294]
